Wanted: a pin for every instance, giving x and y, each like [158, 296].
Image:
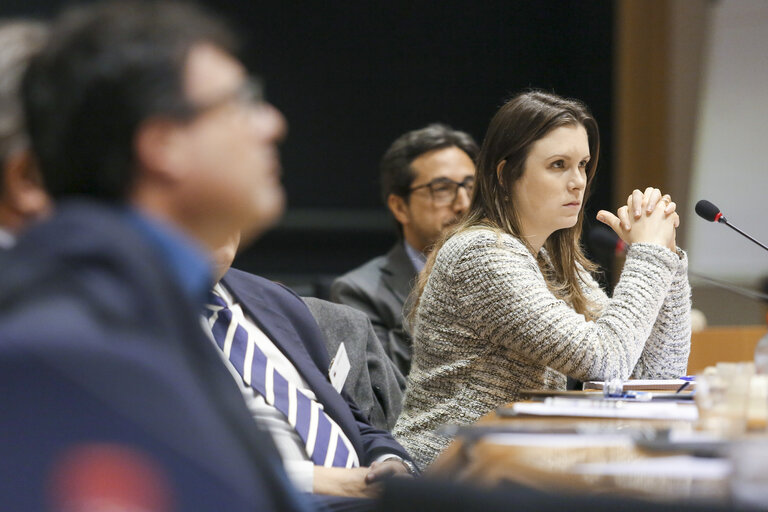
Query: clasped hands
[648, 217]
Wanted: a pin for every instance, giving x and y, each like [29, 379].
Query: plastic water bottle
[761, 354]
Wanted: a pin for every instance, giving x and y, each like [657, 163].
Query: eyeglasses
[444, 190]
[249, 94]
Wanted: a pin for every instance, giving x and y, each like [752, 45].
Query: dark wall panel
[351, 76]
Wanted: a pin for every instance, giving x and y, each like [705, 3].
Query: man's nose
[461, 203]
[272, 123]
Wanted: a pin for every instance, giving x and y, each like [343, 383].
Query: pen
[640, 396]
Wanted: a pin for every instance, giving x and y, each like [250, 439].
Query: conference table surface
[600, 456]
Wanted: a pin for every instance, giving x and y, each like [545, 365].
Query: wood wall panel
[641, 106]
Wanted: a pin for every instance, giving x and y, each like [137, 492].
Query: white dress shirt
[7, 240]
[418, 258]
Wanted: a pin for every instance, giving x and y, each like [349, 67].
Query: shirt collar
[418, 259]
[187, 261]
[7, 240]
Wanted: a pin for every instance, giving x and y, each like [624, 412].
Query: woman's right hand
[656, 227]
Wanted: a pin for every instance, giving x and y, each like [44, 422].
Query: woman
[506, 301]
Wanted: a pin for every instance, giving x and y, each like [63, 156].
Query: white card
[339, 368]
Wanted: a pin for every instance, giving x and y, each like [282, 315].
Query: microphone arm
[722, 220]
[738, 290]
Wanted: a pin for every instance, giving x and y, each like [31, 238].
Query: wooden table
[485, 462]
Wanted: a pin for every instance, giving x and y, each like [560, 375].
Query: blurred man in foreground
[427, 177]
[155, 145]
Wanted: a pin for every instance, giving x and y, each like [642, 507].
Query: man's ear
[23, 189]
[399, 208]
[160, 149]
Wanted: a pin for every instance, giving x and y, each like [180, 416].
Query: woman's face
[550, 193]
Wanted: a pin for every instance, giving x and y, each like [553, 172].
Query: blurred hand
[386, 469]
[351, 482]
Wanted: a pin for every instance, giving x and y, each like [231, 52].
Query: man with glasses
[427, 177]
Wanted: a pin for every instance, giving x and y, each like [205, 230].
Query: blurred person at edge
[22, 198]
[154, 144]
[506, 301]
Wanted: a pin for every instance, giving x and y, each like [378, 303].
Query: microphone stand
[722, 219]
[738, 290]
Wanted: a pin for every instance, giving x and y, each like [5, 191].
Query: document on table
[662, 467]
[646, 384]
[589, 408]
[560, 440]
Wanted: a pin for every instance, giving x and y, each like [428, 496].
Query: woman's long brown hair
[514, 129]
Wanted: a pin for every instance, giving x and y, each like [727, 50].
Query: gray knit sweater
[488, 327]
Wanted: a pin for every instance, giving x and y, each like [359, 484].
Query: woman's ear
[500, 173]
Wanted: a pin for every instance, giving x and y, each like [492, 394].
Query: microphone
[605, 240]
[712, 213]
[708, 211]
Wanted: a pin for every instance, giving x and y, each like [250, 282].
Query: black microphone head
[708, 211]
[604, 240]
[601, 238]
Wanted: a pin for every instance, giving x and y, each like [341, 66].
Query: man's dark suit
[380, 289]
[374, 383]
[98, 344]
[287, 321]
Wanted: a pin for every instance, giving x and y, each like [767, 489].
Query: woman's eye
[583, 164]
[558, 164]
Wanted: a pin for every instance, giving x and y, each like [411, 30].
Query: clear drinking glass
[722, 397]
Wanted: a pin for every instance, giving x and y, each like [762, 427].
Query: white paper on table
[681, 466]
[559, 440]
[588, 408]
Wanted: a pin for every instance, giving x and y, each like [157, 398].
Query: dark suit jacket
[380, 289]
[287, 321]
[99, 345]
[373, 382]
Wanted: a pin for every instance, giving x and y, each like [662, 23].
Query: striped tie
[321, 435]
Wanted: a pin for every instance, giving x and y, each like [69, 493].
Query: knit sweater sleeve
[507, 300]
[670, 337]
